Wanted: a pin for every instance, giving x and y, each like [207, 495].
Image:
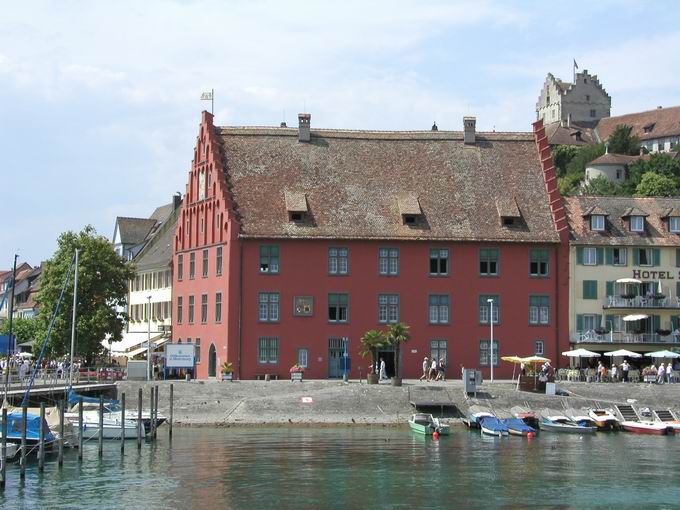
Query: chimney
[304, 123]
[176, 200]
[283, 124]
[469, 124]
[434, 126]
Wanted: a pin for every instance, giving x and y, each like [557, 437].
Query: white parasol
[635, 317]
[623, 352]
[580, 353]
[663, 354]
[628, 280]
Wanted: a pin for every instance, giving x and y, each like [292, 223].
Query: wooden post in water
[24, 419]
[140, 425]
[41, 441]
[151, 412]
[101, 425]
[81, 428]
[60, 461]
[172, 395]
[3, 452]
[155, 415]
[122, 423]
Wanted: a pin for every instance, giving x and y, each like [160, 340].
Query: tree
[575, 170]
[397, 334]
[622, 142]
[562, 156]
[371, 342]
[102, 292]
[601, 186]
[658, 163]
[656, 185]
[25, 329]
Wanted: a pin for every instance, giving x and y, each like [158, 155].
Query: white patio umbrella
[663, 354]
[623, 352]
[628, 280]
[580, 353]
[635, 317]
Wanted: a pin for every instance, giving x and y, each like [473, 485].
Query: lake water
[361, 467]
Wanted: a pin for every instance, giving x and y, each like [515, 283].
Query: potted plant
[628, 295]
[658, 296]
[371, 342]
[601, 331]
[397, 334]
[663, 332]
[227, 371]
[296, 372]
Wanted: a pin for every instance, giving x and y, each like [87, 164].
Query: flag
[575, 64]
[206, 96]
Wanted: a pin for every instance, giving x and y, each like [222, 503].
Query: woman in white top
[661, 374]
[433, 370]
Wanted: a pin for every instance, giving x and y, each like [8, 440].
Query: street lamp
[148, 343]
[490, 301]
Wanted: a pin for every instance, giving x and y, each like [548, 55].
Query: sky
[99, 101]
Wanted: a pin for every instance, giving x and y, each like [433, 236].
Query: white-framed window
[589, 256]
[674, 224]
[439, 308]
[484, 353]
[269, 306]
[539, 310]
[268, 350]
[439, 261]
[338, 307]
[197, 350]
[619, 256]
[303, 357]
[485, 308]
[645, 256]
[388, 308]
[338, 261]
[637, 223]
[538, 347]
[388, 261]
[597, 222]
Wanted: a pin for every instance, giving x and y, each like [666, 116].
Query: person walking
[624, 370]
[661, 374]
[426, 367]
[440, 370]
[433, 370]
[669, 372]
[615, 373]
[383, 370]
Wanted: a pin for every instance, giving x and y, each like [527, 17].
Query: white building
[658, 129]
[585, 100]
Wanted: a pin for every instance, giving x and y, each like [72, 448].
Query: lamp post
[148, 343]
[490, 301]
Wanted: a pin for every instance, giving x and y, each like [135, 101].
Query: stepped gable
[652, 124]
[353, 181]
[655, 210]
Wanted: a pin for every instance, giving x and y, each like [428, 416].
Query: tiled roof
[507, 207]
[157, 253]
[134, 230]
[614, 159]
[351, 180]
[595, 210]
[663, 121]
[577, 134]
[617, 232]
[408, 204]
[295, 202]
[162, 213]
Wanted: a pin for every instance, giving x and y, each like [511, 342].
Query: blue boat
[14, 422]
[517, 427]
[492, 426]
[74, 398]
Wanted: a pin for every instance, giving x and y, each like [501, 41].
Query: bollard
[81, 428]
[151, 412]
[24, 420]
[140, 425]
[122, 423]
[41, 440]
[60, 461]
[172, 395]
[155, 415]
[101, 425]
[3, 450]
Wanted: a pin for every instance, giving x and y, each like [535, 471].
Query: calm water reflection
[359, 468]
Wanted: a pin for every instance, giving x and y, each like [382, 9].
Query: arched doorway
[212, 361]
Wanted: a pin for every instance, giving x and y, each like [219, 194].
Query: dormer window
[674, 224]
[648, 128]
[597, 222]
[637, 223]
[296, 205]
[409, 208]
[508, 212]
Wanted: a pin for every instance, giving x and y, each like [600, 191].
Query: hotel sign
[643, 274]
[179, 356]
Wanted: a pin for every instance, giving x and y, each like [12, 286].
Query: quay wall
[245, 403]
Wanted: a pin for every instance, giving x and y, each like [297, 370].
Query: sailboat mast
[73, 322]
[11, 314]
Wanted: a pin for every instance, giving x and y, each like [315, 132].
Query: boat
[526, 415]
[14, 426]
[581, 417]
[554, 422]
[111, 426]
[604, 419]
[112, 410]
[426, 424]
[517, 427]
[631, 422]
[646, 427]
[668, 417]
[492, 426]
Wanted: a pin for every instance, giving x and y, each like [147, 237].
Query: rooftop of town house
[134, 230]
[579, 133]
[648, 125]
[358, 184]
[157, 252]
[655, 211]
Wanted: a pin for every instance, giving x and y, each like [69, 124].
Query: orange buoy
[435, 435]
[530, 435]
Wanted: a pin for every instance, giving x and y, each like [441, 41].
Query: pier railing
[46, 378]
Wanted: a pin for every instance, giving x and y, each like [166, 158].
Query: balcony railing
[641, 302]
[623, 337]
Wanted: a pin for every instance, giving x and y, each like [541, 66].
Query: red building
[292, 243]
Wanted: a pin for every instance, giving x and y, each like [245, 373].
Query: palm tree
[371, 342]
[396, 335]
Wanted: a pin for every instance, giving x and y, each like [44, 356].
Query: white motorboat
[112, 426]
[604, 419]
